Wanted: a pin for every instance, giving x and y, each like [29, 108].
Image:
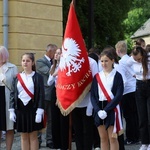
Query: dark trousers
[60, 126]
[60, 129]
[47, 107]
[121, 137]
[143, 107]
[96, 138]
[83, 127]
[131, 116]
[121, 142]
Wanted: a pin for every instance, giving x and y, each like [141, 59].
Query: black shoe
[40, 145]
[50, 145]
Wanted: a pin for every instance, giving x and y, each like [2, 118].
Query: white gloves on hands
[12, 115]
[38, 118]
[39, 115]
[102, 114]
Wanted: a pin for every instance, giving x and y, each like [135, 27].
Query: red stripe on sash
[24, 86]
[109, 99]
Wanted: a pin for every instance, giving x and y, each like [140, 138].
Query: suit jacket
[38, 92]
[43, 67]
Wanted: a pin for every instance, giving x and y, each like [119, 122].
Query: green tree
[108, 18]
[138, 14]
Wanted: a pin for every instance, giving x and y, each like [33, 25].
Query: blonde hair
[122, 46]
[4, 55]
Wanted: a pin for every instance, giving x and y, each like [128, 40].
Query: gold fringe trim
[115, 135]
[121, 132]
[65, 112]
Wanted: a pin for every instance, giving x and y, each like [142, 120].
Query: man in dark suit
[43, 66]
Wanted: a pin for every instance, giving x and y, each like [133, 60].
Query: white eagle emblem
[70, 57]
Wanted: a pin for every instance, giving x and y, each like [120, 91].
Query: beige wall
[1, 21]
[32, 25]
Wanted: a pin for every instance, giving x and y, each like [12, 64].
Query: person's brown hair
[147, 48]
[139, 42]
[143, 53]
[113, 51]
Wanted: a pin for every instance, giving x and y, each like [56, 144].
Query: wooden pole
[70, 131]
[70, 115]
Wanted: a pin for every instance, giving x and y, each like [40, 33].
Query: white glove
[39, 114]
[38, 118]
[12, 115]
[102, 114]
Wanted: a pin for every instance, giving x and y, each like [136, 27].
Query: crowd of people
[120, 89]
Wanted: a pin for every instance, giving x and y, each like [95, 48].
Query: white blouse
[27, 79]
[3, 69]
[108, 83]
[138, 69]
[51, 78]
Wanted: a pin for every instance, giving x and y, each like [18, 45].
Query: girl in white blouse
[104, 107]
[141, 71]
[27, 103]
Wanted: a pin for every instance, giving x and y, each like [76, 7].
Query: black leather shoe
[40, 144]
[50, 145]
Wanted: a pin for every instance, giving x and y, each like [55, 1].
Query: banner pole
[70, 131]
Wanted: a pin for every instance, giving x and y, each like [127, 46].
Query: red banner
[74, 75]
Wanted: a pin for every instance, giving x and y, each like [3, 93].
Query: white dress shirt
[137, 68]
[51, 78]
[108, 83]
[94, 69]
[27, 79]
[129, 80]
[2, 74]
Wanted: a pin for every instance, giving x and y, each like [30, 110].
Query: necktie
[51, 61]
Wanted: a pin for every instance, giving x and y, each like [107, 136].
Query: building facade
[32, 25]
[143, 32]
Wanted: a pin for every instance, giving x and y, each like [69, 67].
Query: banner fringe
[115, 135]
[73, 105]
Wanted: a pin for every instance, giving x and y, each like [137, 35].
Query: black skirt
[2, 109]
[25, 118]
[109, 120]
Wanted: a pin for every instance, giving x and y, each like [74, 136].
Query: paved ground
[16, 145]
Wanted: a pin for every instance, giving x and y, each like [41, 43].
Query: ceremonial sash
[24, 86]
[32, 96]
[118, 127]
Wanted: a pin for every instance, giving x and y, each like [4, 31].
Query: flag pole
[70, 131]
[70, 115]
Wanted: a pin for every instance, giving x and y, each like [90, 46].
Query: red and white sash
[31, 95]
[24, 86]
[118, 127]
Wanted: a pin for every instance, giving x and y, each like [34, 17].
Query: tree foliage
[113, 20]
[139, 13]
[108, 18]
